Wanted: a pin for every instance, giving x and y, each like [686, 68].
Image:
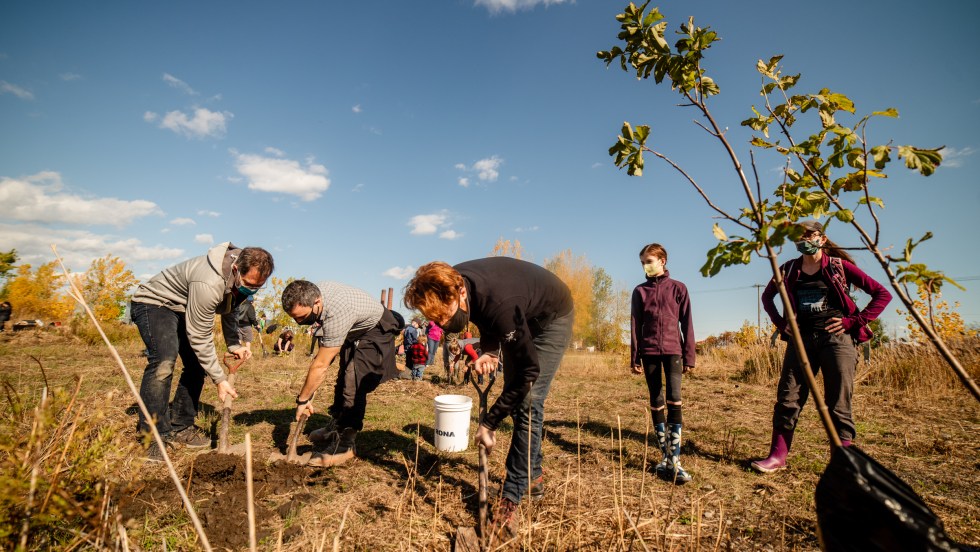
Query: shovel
[291, 456]
[233, 363]
[466, 537]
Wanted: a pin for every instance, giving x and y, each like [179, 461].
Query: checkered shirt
[348, 313]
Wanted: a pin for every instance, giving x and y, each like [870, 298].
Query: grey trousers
[836, 356]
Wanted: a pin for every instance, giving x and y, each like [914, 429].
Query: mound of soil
[216, 486]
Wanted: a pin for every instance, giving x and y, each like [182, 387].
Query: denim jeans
[525, 444]
[433, 346]
[836, 356]
[165, 336]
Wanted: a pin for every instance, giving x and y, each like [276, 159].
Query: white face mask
[653, 269]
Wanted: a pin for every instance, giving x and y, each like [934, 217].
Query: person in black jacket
[5, 311]
[525, 316]
[247, 320]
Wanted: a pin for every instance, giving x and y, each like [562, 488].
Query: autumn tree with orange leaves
[36, 293]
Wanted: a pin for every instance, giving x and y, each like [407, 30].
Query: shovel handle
[232, 362]
[294, 439]
[225, 418]
[484, 485]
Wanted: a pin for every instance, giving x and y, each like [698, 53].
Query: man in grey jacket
[175, 312]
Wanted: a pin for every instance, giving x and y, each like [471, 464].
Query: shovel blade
[298, 459]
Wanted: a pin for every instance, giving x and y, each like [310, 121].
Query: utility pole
[758, 310]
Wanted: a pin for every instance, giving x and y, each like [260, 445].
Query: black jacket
[512, 301]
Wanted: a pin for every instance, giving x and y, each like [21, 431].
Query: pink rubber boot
[782, 440]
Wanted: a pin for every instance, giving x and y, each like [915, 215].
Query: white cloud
[183, 221]
[39, 198]
[206, 239]
[400, 273]
[511, 6]
[358, 187]
[77, 247]
[450, 235]
[212, 214]
[356, 108]
[178, 84]
[150, 116]
[70, 76]
[596, 165]
[528, 229]
[265, 174]
[486, 170]
[426, 224]
[953, 157]
[20, 92]
[275, 152]
[204, 123]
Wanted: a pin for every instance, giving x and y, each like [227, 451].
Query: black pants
[655, 367]
[365, 363]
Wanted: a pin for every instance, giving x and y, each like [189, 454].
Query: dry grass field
[73, 477]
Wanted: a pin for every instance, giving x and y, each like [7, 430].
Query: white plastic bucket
[453, 422]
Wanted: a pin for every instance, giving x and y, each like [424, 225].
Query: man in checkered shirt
[350, 323]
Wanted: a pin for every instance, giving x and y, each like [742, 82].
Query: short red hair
[433, 289]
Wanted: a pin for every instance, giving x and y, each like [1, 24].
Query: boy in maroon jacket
[662, 343]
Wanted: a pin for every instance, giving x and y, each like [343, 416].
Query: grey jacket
[200, 288]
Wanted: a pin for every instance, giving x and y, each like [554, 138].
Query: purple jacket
[855, 321]
[661, 321]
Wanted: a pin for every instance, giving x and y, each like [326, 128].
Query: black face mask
[458, 322]
[309, 320]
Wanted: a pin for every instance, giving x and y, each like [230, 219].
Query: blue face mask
[244, 290]
[247, 291]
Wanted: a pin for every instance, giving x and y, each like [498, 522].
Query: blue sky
[357, 141]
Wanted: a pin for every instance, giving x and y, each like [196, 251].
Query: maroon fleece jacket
[661, 322]
[855, 320]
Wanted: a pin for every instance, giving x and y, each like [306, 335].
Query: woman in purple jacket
[818, 284]
[662, 343]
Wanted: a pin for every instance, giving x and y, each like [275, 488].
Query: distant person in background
[5, 311]
[819, 284]
[524, 314]
[174, 312]
[416, 357]
[246, 321]
[434, 335]
[284, 345]
[662, 348]
[411, 336]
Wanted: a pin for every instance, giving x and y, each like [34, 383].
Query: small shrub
[52, 471]
[117, 332]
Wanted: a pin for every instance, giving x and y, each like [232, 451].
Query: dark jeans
[654, 368]
[165, 336]
[837, 356]
[528, 418]
[365, 363]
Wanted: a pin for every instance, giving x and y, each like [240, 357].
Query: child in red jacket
[416, 357]
[662, 344]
